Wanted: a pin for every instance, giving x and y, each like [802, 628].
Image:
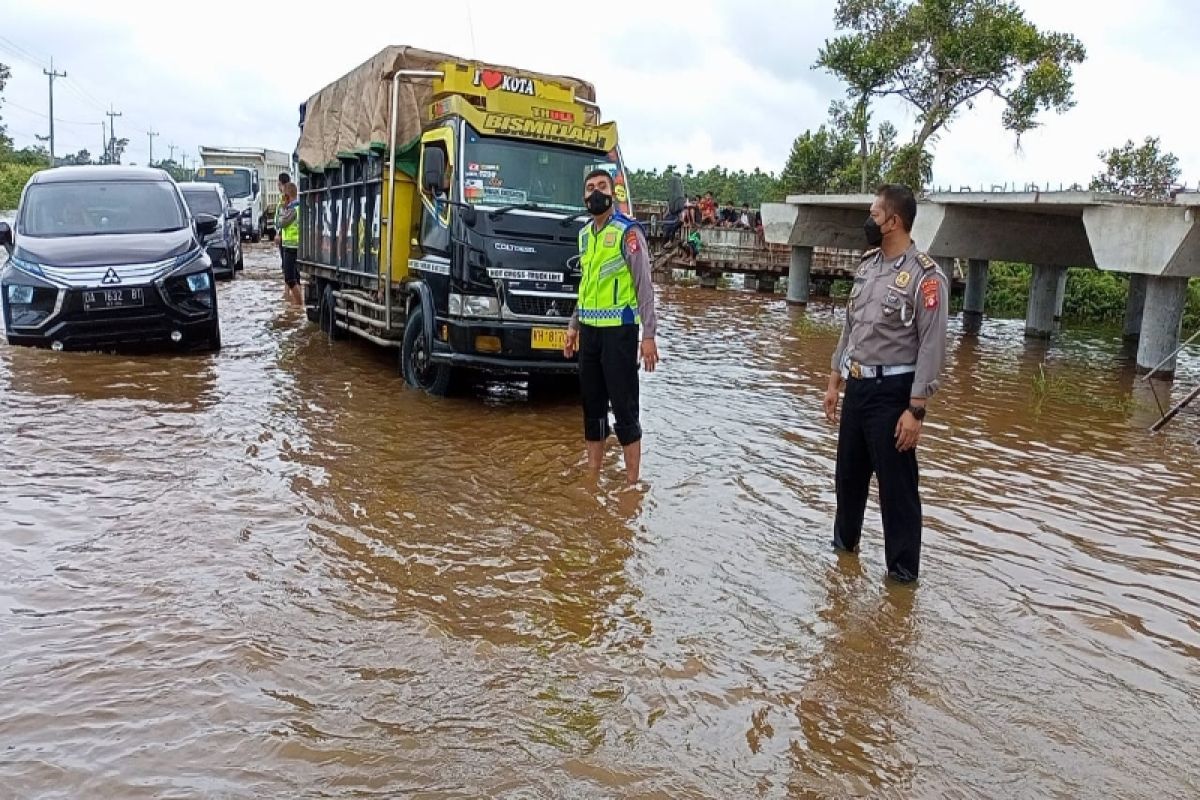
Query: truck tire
[313, 312]
[418, 371]
[328, 314]
[255, 237]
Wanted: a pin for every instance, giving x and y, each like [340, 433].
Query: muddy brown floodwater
[277, 572]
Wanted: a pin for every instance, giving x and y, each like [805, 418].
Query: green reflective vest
[607, 296]
[291, 233]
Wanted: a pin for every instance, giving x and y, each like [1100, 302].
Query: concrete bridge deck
[1156, 242]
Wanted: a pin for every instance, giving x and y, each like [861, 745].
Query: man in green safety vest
[616, 296]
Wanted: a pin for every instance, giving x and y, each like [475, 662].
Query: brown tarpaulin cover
[351, 114]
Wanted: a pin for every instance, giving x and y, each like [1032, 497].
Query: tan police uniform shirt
[897, 316]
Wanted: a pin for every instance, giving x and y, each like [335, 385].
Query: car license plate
[549, 338]
[102, 299]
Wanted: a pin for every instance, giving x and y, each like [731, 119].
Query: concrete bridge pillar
[1135, 302]
[1162, 319]
[1043, 294]
[1060, 295]
[976, 294]
[799, 272]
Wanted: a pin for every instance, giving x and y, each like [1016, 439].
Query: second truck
[441, 202]
[250, 177]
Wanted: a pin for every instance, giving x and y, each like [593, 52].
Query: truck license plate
[549, 338]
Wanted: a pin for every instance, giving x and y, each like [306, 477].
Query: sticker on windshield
[505, 195]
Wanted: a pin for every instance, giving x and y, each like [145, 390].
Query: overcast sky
[696, 82]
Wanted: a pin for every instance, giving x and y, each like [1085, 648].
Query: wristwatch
[918, 413]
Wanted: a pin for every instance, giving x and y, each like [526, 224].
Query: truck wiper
[499, 212]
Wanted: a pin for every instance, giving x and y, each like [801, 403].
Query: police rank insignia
[902, 280]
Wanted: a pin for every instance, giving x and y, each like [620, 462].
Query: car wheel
[212, 342]
[241, 261]
[415, 365]
[328, 315]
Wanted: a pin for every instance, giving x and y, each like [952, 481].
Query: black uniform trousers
[866, 445]
[608, 375]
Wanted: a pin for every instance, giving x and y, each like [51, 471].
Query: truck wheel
[255, 237]
[313, 312]
[419, 372]
[327, 315]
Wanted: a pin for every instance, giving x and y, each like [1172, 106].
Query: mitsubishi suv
[224, 247]
[107, 257]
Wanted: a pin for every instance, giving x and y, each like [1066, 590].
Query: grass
[13, 178]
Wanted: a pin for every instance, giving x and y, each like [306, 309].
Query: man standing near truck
[616, 295]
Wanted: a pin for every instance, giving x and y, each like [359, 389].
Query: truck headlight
[474, 305]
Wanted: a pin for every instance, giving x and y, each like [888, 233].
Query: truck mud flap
[425, 298]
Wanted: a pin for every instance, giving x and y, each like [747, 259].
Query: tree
[116, 148]
[1143, 171]
[943, 55]
[827, 161]
[5, 142]
[175, 171]
[737, 187]
[81, 158]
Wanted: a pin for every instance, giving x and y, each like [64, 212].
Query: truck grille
[535, 306]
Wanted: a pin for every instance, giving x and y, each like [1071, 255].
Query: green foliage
[831, 161]
[5, 142]
[739, 187]
[13, 178]
[942, 55]
[1142, 171]
[1007, 289]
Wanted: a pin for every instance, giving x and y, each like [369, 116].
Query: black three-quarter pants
[608, 374]
[866, 445]
[291, 272]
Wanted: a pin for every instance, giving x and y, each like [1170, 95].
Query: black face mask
[598, 202]
[874, 232]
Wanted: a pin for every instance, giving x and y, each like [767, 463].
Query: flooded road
[277, 572]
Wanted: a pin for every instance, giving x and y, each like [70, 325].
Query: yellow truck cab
[441, 201]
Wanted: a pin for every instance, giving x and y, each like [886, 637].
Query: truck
[441, 201]
[249, 176]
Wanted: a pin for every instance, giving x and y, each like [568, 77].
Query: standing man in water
[615, 296]
[889, 357]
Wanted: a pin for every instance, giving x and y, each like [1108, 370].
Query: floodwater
[277, 572]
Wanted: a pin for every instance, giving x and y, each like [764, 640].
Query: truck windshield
[87, 208]
[504, 172]
[236, 181]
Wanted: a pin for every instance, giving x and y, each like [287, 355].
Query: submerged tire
[418, 371]
[327, 314]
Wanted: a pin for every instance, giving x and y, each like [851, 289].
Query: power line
[20, 52]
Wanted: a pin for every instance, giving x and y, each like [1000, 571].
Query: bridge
[1157, 243]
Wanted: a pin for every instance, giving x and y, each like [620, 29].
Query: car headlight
[26, 266]
[198, 281]
[30, 306]
[473, 305]
[246, 214]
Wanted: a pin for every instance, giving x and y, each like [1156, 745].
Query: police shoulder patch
[870, 253]
[926, 262]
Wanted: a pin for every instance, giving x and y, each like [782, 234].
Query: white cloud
[691, 82]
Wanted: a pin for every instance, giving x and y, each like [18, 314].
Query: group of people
[702, 211]
[887, 362]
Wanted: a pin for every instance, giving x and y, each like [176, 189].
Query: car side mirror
[206, 224]
[435, 170]
[6, 235]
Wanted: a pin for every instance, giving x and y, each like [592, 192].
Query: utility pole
[103, 143]
[172, 148]
[112, 131]
[151, 133]
[51, 74]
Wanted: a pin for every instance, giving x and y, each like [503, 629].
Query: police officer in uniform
[616, 296]
[889, 357]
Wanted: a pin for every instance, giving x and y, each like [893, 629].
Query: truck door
[435, 212]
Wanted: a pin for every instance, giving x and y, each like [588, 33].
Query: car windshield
[87, 208]
[202, 201]
[504, 172]
[236, 182]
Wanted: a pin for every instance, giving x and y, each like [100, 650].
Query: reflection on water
[278, 572]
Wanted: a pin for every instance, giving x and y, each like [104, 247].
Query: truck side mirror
[206, 224]
[434, 175]
[6, 235]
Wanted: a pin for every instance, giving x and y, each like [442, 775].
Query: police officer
[889, 357]
[616, 294]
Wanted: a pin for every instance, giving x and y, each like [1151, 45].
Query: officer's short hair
[284, 178]
[898, 199]
[599, 173]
